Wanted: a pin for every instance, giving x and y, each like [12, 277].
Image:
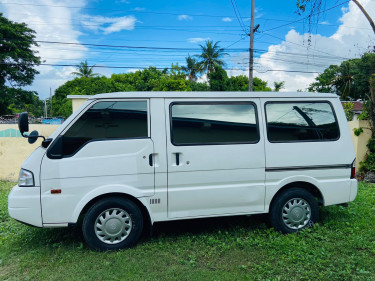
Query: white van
[124, 160]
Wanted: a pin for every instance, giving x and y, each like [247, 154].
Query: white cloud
[184, 17]
[139, 9]
[132, 70]
[292, 54]
[109, 25]
[198, 40]
[226, 19]
[51, 23]
[324, 22]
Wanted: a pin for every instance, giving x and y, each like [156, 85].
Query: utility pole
[45, 108]
[50, 100]
[251, 57]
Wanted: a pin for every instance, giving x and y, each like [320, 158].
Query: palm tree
[210, 57]
[191, 69]
[345, 80]
[83, 70]
[279, 85]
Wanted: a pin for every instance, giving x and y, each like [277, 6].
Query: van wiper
[309, 121]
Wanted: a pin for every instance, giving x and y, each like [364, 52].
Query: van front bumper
[24, 205]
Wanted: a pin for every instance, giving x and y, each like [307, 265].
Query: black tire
[294, 209]
[112, 224]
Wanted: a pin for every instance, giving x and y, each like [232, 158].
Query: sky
[122, 36]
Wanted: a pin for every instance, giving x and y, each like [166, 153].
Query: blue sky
[342, 32]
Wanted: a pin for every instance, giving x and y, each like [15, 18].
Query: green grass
[340, 247]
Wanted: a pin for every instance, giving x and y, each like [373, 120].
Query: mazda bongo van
[124, 160]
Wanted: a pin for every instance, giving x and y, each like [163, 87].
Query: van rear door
[216, 159]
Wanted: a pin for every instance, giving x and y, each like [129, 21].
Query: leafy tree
[150, 79]
[177, 72]
[17, 60]
[83, 70]
[344, 81]
[25, 101]
[219, 81]
[210, 57]
[324, 81]
[260, 86]
[278, 86]
[350, 79]
[191, 69]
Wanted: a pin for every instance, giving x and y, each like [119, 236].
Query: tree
[350, 79]
[191, 69]
[324, 81]
[279, 85]
[210, 57]
[83, 70]
[344, 80]
[17, 60]
[219, 81]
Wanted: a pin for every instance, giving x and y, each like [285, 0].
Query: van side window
[107, 120]
[213, 123]
[301, 121]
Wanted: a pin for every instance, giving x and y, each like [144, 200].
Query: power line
[320, 12]
[131, 47]
[114, 10]
[198, 26]
[282, 70]
[242, 25]
[290, 42]
[160, 68]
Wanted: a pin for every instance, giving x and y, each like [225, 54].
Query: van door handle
[150, 160]
[178, 159]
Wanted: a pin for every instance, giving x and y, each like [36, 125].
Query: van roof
[212, 95]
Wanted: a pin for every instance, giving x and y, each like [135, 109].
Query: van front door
[215, 158]
[108, 147]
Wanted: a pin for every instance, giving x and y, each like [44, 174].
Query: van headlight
[26, 178]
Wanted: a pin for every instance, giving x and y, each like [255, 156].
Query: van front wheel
[112, 224]
[293, 210]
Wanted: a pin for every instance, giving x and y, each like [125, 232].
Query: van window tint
[107, 120]
[219, 123]
[299, 121]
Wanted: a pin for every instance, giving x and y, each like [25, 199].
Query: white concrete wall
[360, 142]
[14, 150]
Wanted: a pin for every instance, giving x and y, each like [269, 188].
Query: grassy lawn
[340, 247]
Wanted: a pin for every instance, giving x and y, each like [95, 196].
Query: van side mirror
[23, 126]
[23, 123]
[33, 136]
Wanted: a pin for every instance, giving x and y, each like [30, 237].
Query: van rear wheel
[112, 224]
[294, 209]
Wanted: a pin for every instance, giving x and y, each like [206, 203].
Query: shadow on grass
[210, 225]
[32, 238]
[29, 238]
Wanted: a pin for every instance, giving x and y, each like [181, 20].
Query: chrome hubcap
[113, 226]
[296, 213]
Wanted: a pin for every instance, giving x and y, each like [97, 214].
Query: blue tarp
[53, 121]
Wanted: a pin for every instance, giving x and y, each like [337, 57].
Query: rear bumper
[24, 205]
[353, 189]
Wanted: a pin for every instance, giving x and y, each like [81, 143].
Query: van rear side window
[301, 121]
[107, 120]
[214, 123]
